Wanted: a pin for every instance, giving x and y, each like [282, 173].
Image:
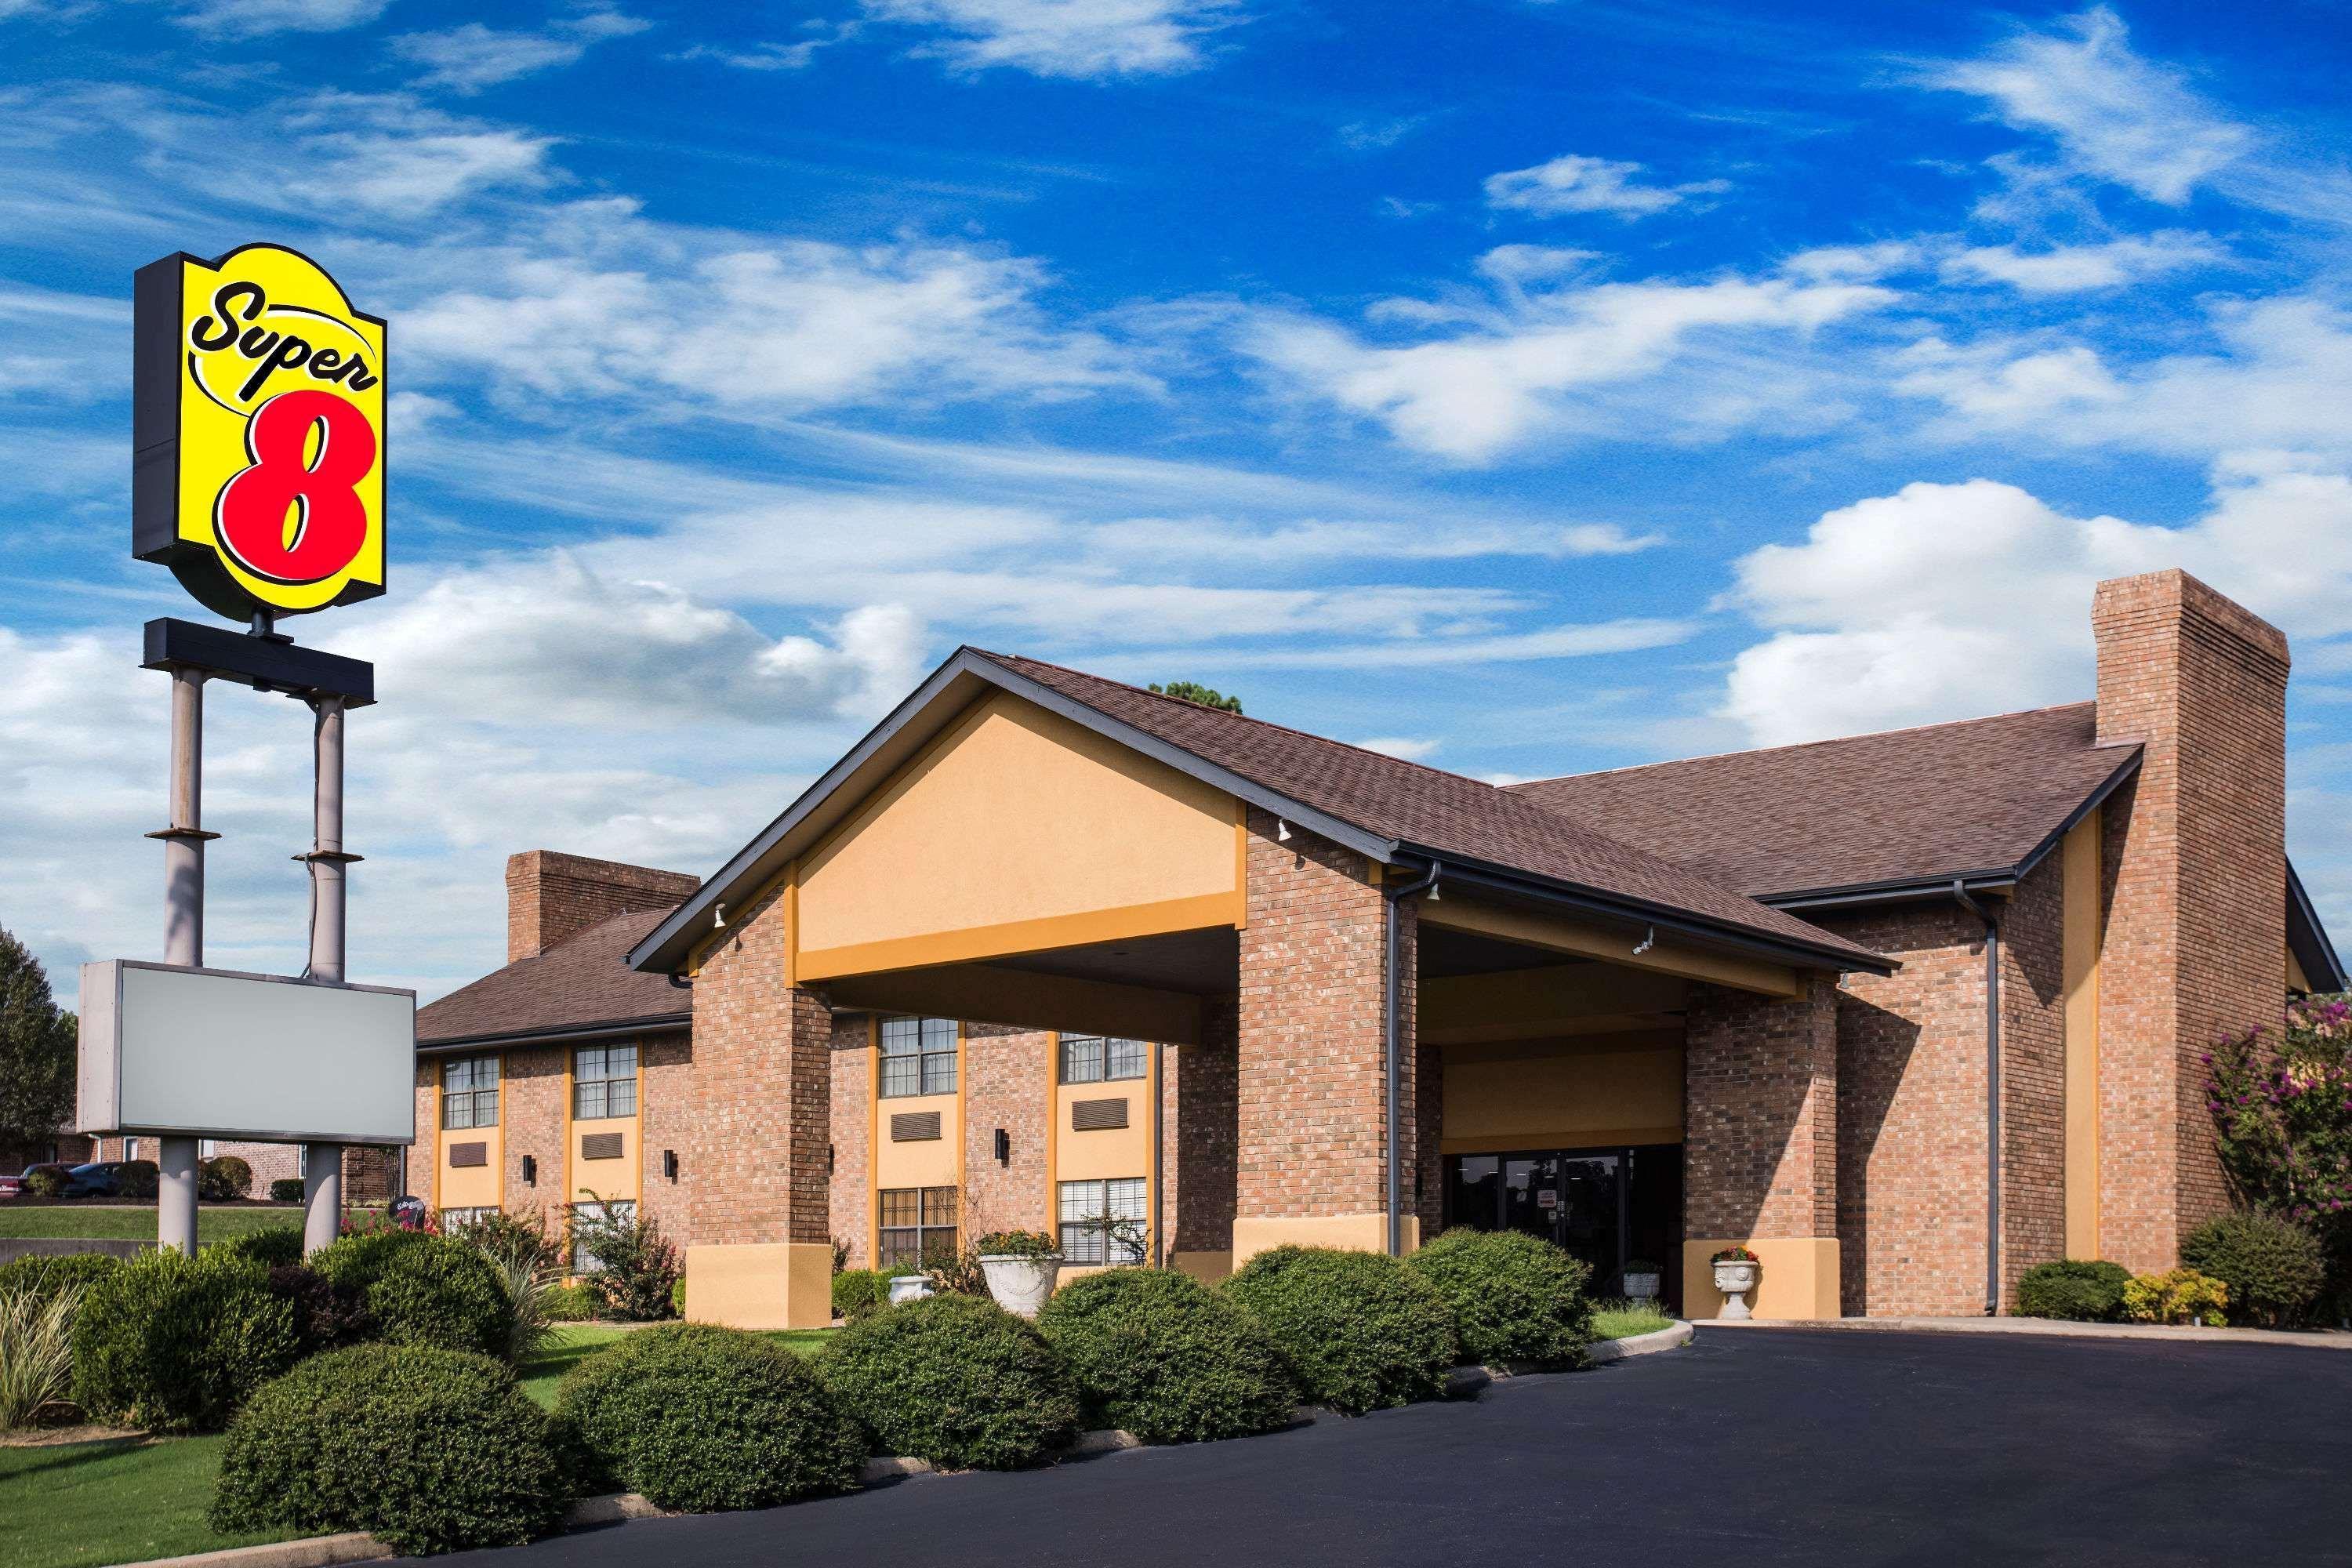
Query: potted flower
[905, 1283]
[1735, 1276]
[1022, 1267]
[1640, 1279]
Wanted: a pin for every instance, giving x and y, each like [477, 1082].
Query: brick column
[1311, 1115]
[1203, 1142]
[531, 1117]
[2196, 935]
[1760, 1145]
[763, 1080]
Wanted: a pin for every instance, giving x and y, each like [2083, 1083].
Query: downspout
[1992, 1094]
[1394, 1000]
[1160, 1251]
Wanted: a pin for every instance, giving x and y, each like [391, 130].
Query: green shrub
[956, 1380]
[136, 1180]
[54, 1274]
[327, 1316]
[175, 1344]
[277, 1246]
[223, 1179]
[1359, 1331]
[430, 1450]
[857, 1292]
[1016, 1244]
[700, 1418]
[570, 1303]
[1515, 1298]
[513, 1238]
[638, 1269]
[2275, 1268]
[2076, 1290]
[286, 1190]
[45, 1182]
[2176, 1296]
[1157, 1354]
[424, 1289]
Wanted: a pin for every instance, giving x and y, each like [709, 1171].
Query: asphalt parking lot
[1742, 1448]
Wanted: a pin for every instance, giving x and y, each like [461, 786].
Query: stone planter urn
[1020, 1282]
[909, 1288]
[1735, 1278]
[1641, 1284]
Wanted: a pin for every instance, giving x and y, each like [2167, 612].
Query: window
[455, 1220]
[1103, 1222]
[131, 1148]
[604, 1082]
[918, 1056]
[470, 1092]
[1091, 1058]
[582, 1260]
[917, 1223]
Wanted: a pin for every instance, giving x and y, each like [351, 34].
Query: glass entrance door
[1601, 1206]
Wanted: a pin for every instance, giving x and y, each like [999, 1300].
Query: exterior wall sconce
[529, 1171]
[1004, 1147]
[669, 1164]
[828, 1159]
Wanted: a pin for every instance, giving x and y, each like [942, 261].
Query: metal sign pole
[184, 933]
[322, 1163]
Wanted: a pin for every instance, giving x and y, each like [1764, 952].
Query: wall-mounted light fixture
[669, 1164]
[828, 1159]
[1004, 1147]
[529, 1171]
[1281, 831]
[1648, 941]
[718, 916]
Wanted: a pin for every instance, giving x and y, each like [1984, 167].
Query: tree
[1193, 691]
[37, 1050]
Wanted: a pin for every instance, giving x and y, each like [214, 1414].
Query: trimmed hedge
[700, 1418]
[136, 1179]
[327, 1316]
[277, 1245]
[286, 1190]
[1157, 1354]
[1515, 1296]
[1359, 1331]
[2074, 1289]
[858, 1292]
[2275, 1268]
[956, 1380]
[223, 1178]
[175, 1344]
[572, 1303]
[424, 1289]
[430, 1450]
[51, 1275]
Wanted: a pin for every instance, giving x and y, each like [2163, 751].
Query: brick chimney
[2194, 859]
[551, 897]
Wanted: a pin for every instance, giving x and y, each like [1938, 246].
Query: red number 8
[331, 521]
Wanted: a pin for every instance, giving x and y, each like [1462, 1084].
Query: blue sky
[1523, 388]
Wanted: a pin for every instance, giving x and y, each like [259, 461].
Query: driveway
[1744, 1447]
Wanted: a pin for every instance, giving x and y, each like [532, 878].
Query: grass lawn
[134, 1222]
[575, 1342]
[82, 1505]
[1623, 1319]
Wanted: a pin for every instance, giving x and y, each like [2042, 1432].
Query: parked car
[97, 1179]
[14, 1186]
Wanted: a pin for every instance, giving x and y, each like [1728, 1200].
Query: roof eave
[2307, 939]
[558, 1034]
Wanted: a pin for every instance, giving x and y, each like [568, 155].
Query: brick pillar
[666, 1122]
[1203, 1141]
[2196, 932]
[551, 897]
[1008, 1083]
[1760, 1145]
[1311, 1097]
[531, 1120]
[762, 1081]
[851, 1200]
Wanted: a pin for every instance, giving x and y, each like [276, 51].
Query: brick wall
[531, 1115]
[1204, 1146]
[2196, 919]
[848, 1195]
[551, 896]
[1759, 1150]
[2033, 1075]
[666, 1068]
[1005, 1084]
[763, 1091]
[1311, 1113]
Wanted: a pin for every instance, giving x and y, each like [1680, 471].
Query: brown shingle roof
[1437, 812]
[1906, 804]
[574, 984]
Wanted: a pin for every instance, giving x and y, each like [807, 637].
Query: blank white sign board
[218, 1054]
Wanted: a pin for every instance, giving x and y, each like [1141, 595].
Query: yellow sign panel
[259, 431]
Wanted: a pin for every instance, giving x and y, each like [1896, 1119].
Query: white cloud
[472, 56]
[2071, 269]
[257, 18]
[1235, 543]
[1541, 361]
[1407, 747]
[1948, 601]
[798, 55]
[1575, 184]
[1088, 39]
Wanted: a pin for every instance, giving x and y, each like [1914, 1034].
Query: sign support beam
[322, 1163]
[184, 934]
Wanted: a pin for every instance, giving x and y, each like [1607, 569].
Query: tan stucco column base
[1207, 1268]
[1799, 1277]
[771, 1285]
[1348, 1232]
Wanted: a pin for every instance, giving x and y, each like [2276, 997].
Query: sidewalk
[2312, 1339]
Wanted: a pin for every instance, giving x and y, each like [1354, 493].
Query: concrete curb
[2053, 1328]
[1665, 1339]
[311, 1551]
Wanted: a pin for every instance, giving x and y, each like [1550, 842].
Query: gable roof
[580, 985]
[1382, 807]
[1982, 799]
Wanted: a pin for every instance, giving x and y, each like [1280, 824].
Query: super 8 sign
[258, 425]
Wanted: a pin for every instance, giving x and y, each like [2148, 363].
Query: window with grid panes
[1093, 1059]
[917, 1223]
[455, 1220]
[470, 1092]
[604, 1082]
[582, 1260]
[1102, 1222]
[919, 1056]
